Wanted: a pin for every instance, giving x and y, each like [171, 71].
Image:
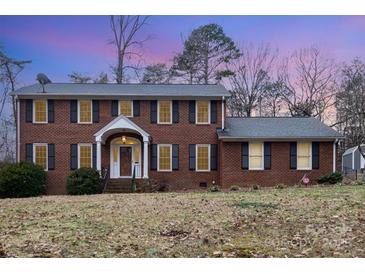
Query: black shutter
[192, 157]
[50, 111]
[73, 111]
[153, 112]
[175, 157]
[153, 157]
[293, 155]
[175, 111]
[94, 156]
[95, 111]
[213, 112]
[244, 155]
[136, 108]
[29, 110]
[29, 153]
[315, 155]
[213, 156]
[51, 157]
[192, 112]
[267, 155]
[74, 156]
[115, 108]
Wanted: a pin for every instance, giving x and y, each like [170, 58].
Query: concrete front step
[119, 185]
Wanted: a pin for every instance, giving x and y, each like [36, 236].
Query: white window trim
[78, 154]
[78, 112]
[34, 121]
[310, 156]
[158, 157]
[158, 114]
[119, 111]
[262, 156]
[196, 158]
[196, 112]
[34, 153]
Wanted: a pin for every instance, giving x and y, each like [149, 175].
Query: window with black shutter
[50, 111]
[213, 157]
[315, 155]
[192, 112]
[244, 155]
[267, 155]
[73, 156]
[73, 111]
[29, 111]
[95, 109]
[175, 157]
[175, 111]
[29, 153]
[293, 155]
[153, 157]
[114, 107]
[51, 156]
[213, 112]
[154, 112]
[192, 157]
[136, 108]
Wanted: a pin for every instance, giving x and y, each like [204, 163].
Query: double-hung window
[164, 158]
[164, 112]
[202, 112]
[304, 156]
[85, 155]
[256, 155]
[126, 108]
[40, 111]
[202, 157]
[85, 111]
[40, 155]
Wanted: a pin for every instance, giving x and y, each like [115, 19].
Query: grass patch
[256, 205]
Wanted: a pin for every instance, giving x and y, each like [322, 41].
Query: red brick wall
[280, 172]
[63, 133]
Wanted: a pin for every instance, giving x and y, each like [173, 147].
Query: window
[304, 151]
[203, 112]
[203, 157]
[256, 152]
[164, 112]
[164, 158]
[85, 111]
[126, 108]
[40, 155]
[40, 111]
[85, 155]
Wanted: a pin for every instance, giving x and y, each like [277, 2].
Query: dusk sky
[58, 45]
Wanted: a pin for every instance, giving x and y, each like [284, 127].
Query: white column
[334, 156]
[98, 156]
[145, 159]
[223, 113]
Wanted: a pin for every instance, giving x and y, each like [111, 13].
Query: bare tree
[125, 38]
[101, 79]
[76, 77]
[156, 74]
[252, 73]
[309, 83]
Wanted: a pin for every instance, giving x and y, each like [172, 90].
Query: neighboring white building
[352, 159]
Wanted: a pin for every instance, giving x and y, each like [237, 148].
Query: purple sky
[58, 45]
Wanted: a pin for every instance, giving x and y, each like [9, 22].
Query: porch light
[124, 139]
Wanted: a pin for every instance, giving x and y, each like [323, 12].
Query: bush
[84, 181]
[214, 188]
[22, 179]
[333, 178]
[234, 188]
[255, 187]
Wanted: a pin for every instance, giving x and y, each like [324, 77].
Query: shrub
[84, 181]
[333, 178]
[280, 186]
[255, 187]
[214, 188]
[22, 179]
[234, 188]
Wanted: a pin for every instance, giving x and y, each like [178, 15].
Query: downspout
[17, 128]
[334, 155]
[223, 114]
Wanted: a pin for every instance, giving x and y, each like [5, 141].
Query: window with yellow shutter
[40, 111]
[126, 108]
[85, 157]
[85, 110]
[202, 112]
[40, 155]
[203, 159]
[304, 160]
[164, 157]
[164, 112]
[256, 153]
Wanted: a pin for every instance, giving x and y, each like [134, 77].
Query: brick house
[176, 134]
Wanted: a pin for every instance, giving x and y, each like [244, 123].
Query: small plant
[255, 187]
[22, 179]
[84, 181]
[279, 186]
[214, 188]
[333, 178]
[234, 188]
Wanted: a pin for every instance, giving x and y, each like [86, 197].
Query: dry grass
[292, 222]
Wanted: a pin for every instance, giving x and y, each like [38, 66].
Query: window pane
[41, 155]
[165, 112]
[256, 149]
[126, 108]
[203, 111]
[255, 155]
[303, 162]
[304, 149]
[85, 111]
[203, 158]
[40, 110]
[136, 153]
[85, 156]
[164, 152]
[255, 162]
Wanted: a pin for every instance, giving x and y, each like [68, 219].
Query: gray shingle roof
[142, 90]
[276, 128]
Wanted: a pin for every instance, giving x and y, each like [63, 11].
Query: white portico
[125, 150]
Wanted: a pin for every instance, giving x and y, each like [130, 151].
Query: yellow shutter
[41, 155]
[126, 108]
[164, 157]
[85, 156]
[202, 112]
[85, 111]
[40, 111]
[203, 157]
[164, 111]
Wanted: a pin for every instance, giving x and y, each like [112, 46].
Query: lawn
[291, 222]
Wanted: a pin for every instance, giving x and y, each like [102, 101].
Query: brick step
[118, 186]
